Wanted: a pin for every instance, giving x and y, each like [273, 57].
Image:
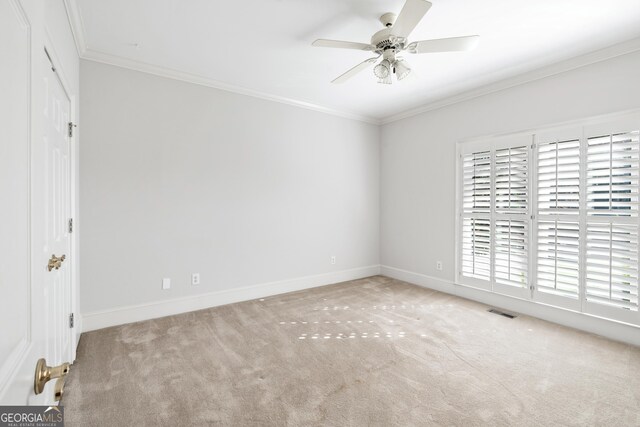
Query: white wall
[178, 178]
[418, 153]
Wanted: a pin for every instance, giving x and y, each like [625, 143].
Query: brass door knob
[58, 391]
[55, 262]
[45, 373]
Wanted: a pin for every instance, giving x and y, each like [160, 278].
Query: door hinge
[533, 146]
[70, 225]
[71, 321]
[71, 125]
[46, 52]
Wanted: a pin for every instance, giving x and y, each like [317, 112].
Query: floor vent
[502, 313]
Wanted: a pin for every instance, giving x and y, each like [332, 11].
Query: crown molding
[613, 51]
[77, 26]
[118, 61]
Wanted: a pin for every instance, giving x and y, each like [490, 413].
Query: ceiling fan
[393, 39]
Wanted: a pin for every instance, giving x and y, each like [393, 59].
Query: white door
[57, 289]
[35, 204]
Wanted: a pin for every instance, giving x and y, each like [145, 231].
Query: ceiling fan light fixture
[386, 80]
[401, 68]
[382, 70]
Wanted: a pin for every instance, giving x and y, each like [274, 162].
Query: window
[558, 220]
[476, 248]
[612, 265]
[511, 232]
[552, 216]
[512, 243]
[612, 175]
[558, 258]
[611, 171]
[494, 219]
[476, 228]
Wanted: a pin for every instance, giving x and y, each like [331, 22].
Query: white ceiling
[265, 45]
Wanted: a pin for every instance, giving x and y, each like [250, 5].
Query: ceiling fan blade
[411, 13]
[452, 44]
[342, 44]
[355, 70]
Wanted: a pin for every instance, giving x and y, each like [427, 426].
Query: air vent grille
[502, 313]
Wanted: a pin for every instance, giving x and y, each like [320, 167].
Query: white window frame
[579, 129]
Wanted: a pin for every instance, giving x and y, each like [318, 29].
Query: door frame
[50, 51]
[13, 366]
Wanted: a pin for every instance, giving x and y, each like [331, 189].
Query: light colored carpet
[371, 352]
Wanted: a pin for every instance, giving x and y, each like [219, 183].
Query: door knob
[55, 262]
[58, 391]
[45, 373]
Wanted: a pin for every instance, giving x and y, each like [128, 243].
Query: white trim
[13, 364]
[77, 25]
[555, 130]
[610, 52]
[135, 313]
[78, 326]
[118, 61]
[79, 35]
[15, 361]
[612, 329]
[457, 209]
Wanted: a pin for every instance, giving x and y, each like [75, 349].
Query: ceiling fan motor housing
[386, 43]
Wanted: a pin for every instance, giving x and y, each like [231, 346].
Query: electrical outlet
[333, 259]
[195, 279]
[166, 283]
[439, 265]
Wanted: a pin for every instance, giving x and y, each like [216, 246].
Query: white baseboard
[135, 313]
[79, 327]
[608, 328]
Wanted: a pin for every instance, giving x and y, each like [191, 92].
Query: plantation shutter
[512, 172]
[553, 216]
[511, 223]
[477, 182]
[612, 265]
[558, 208]
[558, 258]
[559, 177]
[476, 248]
[612, 175]
[476, 221]
[511, 248]
[612, 220]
